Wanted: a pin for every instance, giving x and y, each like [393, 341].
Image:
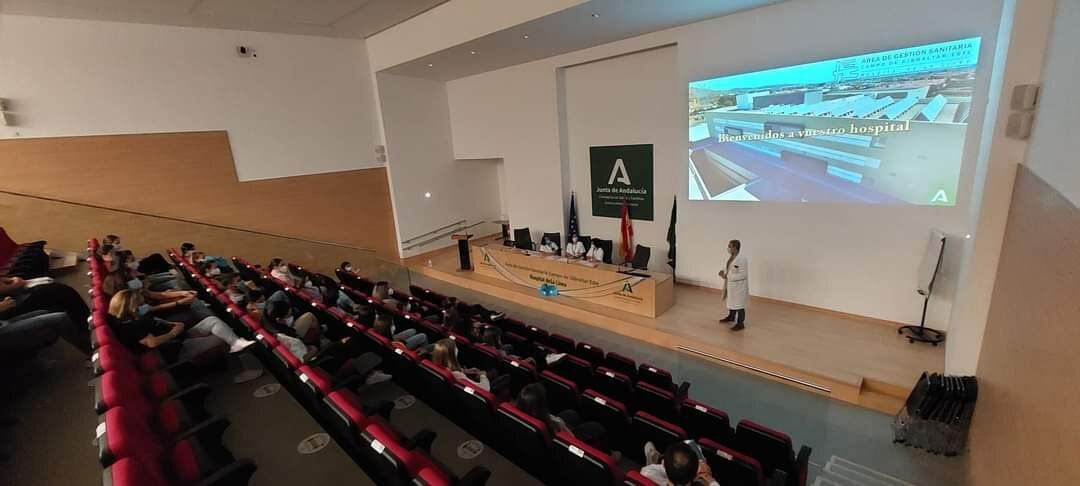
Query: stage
[849, 358]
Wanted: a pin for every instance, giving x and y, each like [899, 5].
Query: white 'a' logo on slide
[939, 197]
[618, 173]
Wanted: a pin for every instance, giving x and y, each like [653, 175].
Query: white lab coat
[575, 250]
[738, 283]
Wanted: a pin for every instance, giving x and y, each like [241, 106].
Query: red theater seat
[577, 463]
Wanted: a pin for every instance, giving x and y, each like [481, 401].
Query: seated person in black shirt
[129, 318]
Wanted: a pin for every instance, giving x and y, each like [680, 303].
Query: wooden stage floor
[857, 360]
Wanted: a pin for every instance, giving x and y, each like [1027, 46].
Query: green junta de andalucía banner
[622, 173]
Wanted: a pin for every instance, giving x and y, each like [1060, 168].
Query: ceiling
[333, 18]
[590, 24]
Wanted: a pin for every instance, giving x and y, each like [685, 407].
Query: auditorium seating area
[153, 427]
[636, 403]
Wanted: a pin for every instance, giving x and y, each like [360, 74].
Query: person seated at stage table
[385, 327]
[595, 254]
[549, 246]
[576, 248]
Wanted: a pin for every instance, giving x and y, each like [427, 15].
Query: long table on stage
[641, 292]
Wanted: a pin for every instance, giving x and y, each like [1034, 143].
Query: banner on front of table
[622, 173]
[523, 272]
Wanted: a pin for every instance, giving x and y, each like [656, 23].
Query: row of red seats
[152, 428]
[637, 403]
[476, 410]
[389, 456]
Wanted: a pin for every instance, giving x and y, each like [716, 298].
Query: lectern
[463, 249]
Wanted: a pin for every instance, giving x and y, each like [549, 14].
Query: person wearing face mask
[383, 293]
[384, 326]
[280, 270]
[347, 266]
[278, 318]
[130, 319]
[576, 248]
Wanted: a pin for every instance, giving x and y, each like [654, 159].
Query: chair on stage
[587, 241]
[641, 258]
[605, 245]
[557, 238]
[523, 239]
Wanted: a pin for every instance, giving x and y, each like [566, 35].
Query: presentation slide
[880, 128]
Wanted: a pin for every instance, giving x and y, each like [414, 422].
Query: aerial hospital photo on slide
[880, 128]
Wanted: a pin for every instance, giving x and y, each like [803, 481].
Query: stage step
[842, 472]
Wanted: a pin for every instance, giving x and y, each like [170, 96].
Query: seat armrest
[236, 474]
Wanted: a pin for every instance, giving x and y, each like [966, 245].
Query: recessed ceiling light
[472, 52]
[526, 36]
[427, 195]
[595, 15]
[430, 65]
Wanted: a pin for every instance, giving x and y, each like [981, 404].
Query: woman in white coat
[736, 286]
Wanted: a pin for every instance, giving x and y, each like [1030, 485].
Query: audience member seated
[681, 465]
[280, 270]
[384, 325]
[20, 297]
[278, 318]
[533, 400]
[138, 331]
[22, 335]
[349, 363]
[383, 293]
[445, 355]
[462, 325]
[130, 305]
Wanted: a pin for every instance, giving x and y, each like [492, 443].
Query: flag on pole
[627, 232]
[572, 229]
[671, 235]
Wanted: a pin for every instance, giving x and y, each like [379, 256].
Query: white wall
[1052, 151]
[416, 123]
[304, 106]
[859, 259]
[453, 23]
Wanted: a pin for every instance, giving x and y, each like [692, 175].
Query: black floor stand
[921, 333]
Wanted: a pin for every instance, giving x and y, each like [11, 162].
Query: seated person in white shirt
[680, 465]
[548, 246]
[595, 254]
[576, 249]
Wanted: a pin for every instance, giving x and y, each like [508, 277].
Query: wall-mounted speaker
[380, 149]
[5, 105]
[6, 119]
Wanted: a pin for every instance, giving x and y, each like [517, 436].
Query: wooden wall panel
[68, 226]
[192, 176]
[1025, 429]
